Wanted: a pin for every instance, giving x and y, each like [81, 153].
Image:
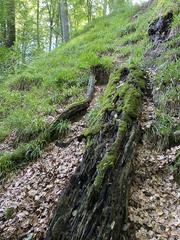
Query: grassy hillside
[58, 79]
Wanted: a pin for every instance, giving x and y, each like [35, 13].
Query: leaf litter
[28, 198]
[154, 206]
[34, 191]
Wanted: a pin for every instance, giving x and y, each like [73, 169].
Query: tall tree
[38, 33]
[10, 23]
[57, 26]
[52, 10]
[105, 4]
[89, 10]
[63, 7]
[2, 21]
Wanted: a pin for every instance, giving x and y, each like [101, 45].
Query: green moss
[111, 157]
[123, 90]
[106, 163]
[131, 102]
[9, 213]
[137, 73]
[129, 106]
[92, 130]
[74, 104]
[141, 83]
[89, 142]
[122, 97]
[122, 127]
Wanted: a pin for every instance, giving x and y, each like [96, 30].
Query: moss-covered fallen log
[94, 205]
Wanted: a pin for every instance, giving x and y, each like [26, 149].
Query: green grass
[59, 78]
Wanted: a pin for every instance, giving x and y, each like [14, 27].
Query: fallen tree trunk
[94, 205]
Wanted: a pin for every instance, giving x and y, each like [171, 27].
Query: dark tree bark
[94, 204]
[11, 29]
[64, 20]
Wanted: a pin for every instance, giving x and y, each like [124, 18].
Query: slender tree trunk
[64, 20]
[56, 43]
[105, 7]
[89, 9]
[38, 33]
[57, 33]
[11, 29]
[57, 25]
[50, 34]
[2, 22]
[23, 44]
[50, 8]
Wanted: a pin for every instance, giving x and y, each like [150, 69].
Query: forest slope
[32, 98]
[136, 53]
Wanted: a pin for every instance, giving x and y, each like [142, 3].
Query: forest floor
[29, 196]
[154, 207]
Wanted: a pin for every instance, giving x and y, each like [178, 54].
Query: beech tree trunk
[10, 29]
[64, 20]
